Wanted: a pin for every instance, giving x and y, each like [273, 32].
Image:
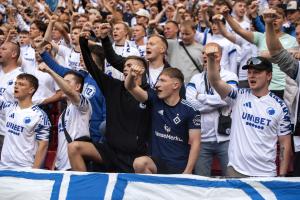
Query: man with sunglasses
[259, 120]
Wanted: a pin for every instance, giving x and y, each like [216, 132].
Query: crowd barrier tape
[54, 185]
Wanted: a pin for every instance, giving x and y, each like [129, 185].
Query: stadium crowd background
[98, 37]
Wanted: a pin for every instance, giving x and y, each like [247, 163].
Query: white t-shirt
[28, 59]
[59, 58]
[153, 75]
[24, 128]
[245, 51]
[125, 51]
[256, 125]
[72, 57]
[140, 48]
[7, 83]
[47, 87]
[205, 99]
[77, 119]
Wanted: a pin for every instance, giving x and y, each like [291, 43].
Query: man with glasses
[259, 120]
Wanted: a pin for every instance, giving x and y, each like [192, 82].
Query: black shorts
[164, 168]
[115, 160]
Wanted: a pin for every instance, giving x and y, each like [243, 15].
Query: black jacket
[127, 120]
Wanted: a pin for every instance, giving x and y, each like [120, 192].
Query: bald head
[213, 44]
[161, 40]
[15, 48]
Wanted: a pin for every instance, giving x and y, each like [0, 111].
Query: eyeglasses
[254, 61]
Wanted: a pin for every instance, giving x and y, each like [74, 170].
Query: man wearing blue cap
[259, 120]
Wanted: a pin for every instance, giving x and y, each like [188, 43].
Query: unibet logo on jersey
[14, 128]
[255, 121]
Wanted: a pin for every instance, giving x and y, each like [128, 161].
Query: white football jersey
[256, 125]
[7, 83]
[209, 102]
[59, 58]
[77, 119]
[28, 59]
[72, 57]
[24, 128]
[47, 87]
[140, 48]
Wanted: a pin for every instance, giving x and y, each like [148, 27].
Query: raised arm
[47, 58]
[287, 63]
[72, 94]
[42, 47]
[202, 101]
[204, 13]
[54, 98]
[47, 35]
[98, 75]
[253, 13]
[114, 59]
[132, 83]
[214, 73]
[272, 40]
[113, 10]
[153, 25]
[230, 36]
[247, 35]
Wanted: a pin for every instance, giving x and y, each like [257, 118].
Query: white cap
[142, 12]
[292, 5]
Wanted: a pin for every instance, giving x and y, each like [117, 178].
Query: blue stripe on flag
[123, 180]
[284, 190]
[57, 178]
[90, 186]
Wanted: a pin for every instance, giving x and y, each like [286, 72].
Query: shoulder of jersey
[188, 104]
[197, 76]
[278, 100]
[244, 90]
[37, 109]
[234, 92]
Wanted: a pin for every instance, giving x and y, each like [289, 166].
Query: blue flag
[52, 4]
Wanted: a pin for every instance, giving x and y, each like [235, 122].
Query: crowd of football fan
[148, 86]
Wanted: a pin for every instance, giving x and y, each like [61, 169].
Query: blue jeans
[207, 152]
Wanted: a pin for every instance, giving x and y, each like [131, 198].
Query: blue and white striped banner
[49, 185]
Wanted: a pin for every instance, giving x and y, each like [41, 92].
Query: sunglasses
[254, 61]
